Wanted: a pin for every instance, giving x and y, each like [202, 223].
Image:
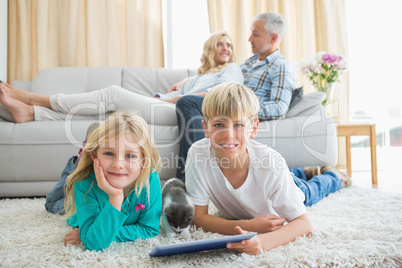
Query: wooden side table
[360, 130]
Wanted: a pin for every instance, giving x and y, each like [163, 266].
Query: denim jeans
[317, 187]
[55, 199]
[189, 120]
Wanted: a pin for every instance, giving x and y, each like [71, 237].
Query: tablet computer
[200, 245]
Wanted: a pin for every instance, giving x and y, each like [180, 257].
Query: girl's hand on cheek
[103, 183]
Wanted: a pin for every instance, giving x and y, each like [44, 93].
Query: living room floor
[388, 163]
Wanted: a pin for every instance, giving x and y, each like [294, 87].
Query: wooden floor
[389, 175]
[390, 182]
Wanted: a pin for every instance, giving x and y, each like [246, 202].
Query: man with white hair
[267, 73]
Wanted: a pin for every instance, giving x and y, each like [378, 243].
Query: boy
[248, 182]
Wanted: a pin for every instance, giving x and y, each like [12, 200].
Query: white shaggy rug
[354, 227]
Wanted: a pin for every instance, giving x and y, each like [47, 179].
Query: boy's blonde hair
[210, 49]
[116, 125]
[228, 100]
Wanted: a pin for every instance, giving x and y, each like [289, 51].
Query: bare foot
[16, 93]
[20, 111]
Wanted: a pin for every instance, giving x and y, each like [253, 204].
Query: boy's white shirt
[269, 187]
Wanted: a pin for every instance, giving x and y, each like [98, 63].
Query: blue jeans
[317, 187]
[55, 199]
[189, 120]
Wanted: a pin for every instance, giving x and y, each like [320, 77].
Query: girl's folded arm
[97, 227]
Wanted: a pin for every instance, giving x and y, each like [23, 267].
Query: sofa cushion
[148, 81]
[70, 80]
[23, 85]
[302, 140]
[306, 102]
[297, 95]
[5, 114]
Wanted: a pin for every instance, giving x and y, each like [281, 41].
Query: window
[185, 29]
[375, 57]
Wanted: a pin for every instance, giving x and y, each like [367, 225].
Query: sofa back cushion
[142, 80]
[148, 81]
[70, 80]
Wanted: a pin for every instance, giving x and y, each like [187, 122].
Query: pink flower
[305, 69]
[326, 58]
[139, 206]
[317, 70]
[323, 68]
[333, 58]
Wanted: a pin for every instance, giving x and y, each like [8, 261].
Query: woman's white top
[204, 82]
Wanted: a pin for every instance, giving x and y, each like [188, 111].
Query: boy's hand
[72, 237]
[251, 246]
[266, 223]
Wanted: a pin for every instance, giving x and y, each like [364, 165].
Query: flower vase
[329, 91]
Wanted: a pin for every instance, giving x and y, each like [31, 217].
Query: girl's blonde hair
[210, 49]
[228, 100]
[116, 125]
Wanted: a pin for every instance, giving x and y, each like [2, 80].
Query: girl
[114, 194]
[216, 67]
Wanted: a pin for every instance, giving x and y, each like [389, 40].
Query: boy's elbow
[307, 227]
[198, 224]
[197, 221]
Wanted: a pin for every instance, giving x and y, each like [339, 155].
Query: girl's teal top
[100, 223]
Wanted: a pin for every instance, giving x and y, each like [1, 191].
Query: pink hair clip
[139, 206]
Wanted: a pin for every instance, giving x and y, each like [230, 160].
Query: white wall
[3, 40]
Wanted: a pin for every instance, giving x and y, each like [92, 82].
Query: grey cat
[177, 208]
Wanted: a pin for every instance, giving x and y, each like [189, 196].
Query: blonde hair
[210, 49]
[116, 125]
[228, 100]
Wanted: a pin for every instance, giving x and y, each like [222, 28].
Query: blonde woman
[114, 195]
[216, 67]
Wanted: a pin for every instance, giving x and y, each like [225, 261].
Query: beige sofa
[32, 155]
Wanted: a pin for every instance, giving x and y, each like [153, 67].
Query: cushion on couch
[297, 95]
[306, 102]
